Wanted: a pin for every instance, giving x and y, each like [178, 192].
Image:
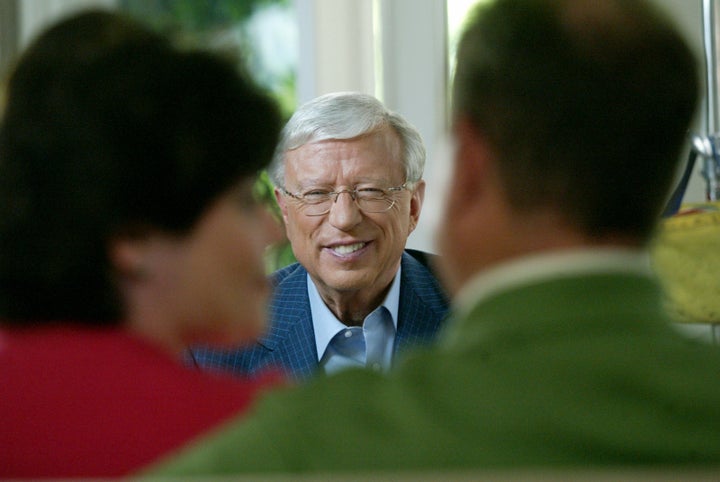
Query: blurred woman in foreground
[128, 230]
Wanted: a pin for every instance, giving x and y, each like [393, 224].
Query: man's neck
[551, 264]
[351, 307]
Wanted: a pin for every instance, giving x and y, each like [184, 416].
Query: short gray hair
[346, 115]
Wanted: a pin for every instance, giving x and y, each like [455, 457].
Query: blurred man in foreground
[568, 121]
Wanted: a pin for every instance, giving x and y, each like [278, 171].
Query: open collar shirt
[370, 345]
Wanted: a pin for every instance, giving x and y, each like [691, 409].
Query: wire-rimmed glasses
[316, 202]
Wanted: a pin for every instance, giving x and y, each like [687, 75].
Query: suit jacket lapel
[422, 308]
[292, 338]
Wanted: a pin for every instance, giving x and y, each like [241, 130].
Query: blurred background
[399, 50]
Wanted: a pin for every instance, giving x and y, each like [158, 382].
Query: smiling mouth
[348, 248]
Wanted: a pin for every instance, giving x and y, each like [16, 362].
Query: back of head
[585, 103]
[347, 115]
[109, 129]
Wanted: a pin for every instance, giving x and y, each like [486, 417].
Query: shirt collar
[325, 323]
[534, 268]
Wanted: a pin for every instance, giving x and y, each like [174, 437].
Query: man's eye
[315, 195]
[370, 192]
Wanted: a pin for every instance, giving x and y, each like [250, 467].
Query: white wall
[414, 83]
[336, 47]
[688, 15]
[36, 14]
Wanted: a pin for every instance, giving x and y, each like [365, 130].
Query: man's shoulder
[420, 263]
[290, 273]
[426, 259]
[419, 272]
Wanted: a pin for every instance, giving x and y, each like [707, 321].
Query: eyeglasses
[316, 202]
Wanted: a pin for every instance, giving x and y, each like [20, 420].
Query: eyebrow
[320, 182]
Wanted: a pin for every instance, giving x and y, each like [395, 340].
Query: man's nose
[344, 212]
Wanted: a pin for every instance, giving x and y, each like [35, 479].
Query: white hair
[346, 115]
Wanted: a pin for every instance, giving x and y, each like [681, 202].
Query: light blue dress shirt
[370, 345]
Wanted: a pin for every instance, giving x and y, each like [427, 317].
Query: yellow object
[686, 256]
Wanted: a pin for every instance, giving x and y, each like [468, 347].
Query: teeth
[349, 248]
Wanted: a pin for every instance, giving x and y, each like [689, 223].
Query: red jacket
[80, 402]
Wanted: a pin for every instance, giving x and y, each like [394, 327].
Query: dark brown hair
[108, 126]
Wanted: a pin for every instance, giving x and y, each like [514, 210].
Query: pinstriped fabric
[290, 341]
[423, 306]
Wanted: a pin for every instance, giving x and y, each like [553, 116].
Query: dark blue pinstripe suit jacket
[290, 341]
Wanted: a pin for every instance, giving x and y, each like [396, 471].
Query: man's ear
[473, 161]
[416, 203]
[282, 203]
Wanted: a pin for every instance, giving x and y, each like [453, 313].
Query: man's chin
[348, 283]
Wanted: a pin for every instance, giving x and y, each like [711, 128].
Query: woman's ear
[127, 256]
[128, 253]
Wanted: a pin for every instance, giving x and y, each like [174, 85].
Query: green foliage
[194, 15]
[280, 254]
